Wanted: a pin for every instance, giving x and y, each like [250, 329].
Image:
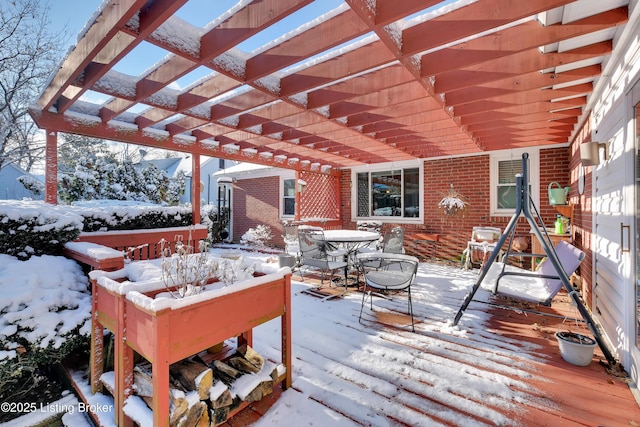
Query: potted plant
[575, 348]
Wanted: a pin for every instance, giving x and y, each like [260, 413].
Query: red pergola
[365, 82]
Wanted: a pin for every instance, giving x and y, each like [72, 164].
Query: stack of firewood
[206, 395]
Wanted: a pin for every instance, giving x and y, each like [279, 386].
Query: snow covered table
[165, 330]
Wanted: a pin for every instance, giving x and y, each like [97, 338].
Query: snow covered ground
[347, 372]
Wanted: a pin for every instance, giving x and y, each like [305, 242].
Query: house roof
[169, 165]
[346, 83]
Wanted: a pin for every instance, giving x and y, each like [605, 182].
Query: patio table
[350, 241]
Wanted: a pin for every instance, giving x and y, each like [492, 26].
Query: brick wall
[470, 176]
[582, 211]
[257, 201]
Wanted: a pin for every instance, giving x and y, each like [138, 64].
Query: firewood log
[193, 376]
[220, 396]
[251, 356]
[243, 365]
[225, 372]
[219, 415]
[196, 414]
[143, 387]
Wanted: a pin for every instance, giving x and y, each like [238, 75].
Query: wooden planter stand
[165, 335]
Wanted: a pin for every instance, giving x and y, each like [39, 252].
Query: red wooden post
[286, 332]
[195, 188]
[298, 196]
[96, 359]
[122, 364]
[160, 369]
[51, 168]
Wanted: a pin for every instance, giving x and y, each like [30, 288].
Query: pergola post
[298, 196]
[51, 168]
[195, 188]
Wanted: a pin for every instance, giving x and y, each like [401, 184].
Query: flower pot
[576, 349]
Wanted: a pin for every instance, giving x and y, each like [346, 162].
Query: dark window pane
[289, 187]
[362, 196]
[386, 193]
[393, 193]
[289, 206]
[411, 192]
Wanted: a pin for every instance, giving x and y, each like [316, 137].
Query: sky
[74, 15]
[343, 369]
[70, 16]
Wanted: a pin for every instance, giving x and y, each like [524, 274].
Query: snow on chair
[540, 286]
[482, 243]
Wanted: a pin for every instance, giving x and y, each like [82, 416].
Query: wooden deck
[499, 367]
[560, 394]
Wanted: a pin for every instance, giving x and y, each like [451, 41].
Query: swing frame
[524, 204]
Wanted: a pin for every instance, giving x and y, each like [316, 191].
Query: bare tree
[28, 55]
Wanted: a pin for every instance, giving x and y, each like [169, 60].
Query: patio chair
[483, 241]
[291, 243]
[398, 275]
[314, 253]
[392, 243]
[374, 226]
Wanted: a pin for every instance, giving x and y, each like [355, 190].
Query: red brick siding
[471, 177]
[582, 212]
[257, 201]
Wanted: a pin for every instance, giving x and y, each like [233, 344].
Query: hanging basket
[576, 349]
[452, 203]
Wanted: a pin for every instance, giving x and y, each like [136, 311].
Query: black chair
[396, 273]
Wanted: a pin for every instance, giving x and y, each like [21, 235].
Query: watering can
[557, 196]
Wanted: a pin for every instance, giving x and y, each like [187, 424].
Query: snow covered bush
[32, 184]
[257, 236]
[103, 177]
[45, 314]
[104, 215]
[29, 228]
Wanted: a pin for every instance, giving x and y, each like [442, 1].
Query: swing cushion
[533, 286]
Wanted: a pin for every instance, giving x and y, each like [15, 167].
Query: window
[289, 197]
[504, 168]
[388, 193]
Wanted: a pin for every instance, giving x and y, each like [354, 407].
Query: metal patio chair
[315, 254]
[398, 275]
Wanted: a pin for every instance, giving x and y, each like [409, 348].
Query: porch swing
[542, 285]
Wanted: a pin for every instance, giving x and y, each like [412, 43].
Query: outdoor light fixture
[302, 185]
[590, 152]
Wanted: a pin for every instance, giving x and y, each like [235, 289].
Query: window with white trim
[288, 197]
[504, 168]
[393, 193]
